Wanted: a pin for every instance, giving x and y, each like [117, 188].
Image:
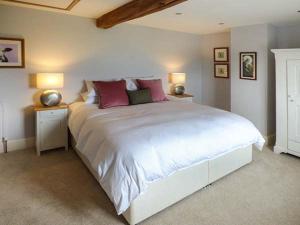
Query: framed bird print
[12, 53]
[248, 65]
[221, 54]
[221, 70]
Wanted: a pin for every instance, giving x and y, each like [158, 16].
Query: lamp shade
[49, 80]
[177, 78]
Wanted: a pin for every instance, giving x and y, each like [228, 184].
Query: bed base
[182, 183]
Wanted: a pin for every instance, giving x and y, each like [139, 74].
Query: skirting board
[279, 150]
[18, 144]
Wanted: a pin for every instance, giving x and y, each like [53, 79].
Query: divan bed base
[182, 183]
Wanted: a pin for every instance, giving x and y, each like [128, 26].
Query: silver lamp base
[51, 98]
[179, 90]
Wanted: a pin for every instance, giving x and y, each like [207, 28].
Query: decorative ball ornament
[51, 98]
[179, 90]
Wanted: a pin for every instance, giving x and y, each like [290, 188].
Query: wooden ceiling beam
[134, 9]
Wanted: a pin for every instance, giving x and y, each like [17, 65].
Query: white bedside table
[184, 97]
[51, 127]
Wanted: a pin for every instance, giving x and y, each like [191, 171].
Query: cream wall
[254, 100]
[73, 45]
[215, 91]
[288, 36]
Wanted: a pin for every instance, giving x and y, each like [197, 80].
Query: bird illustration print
[3, 57]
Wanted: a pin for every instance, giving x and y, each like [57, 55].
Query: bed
[138, 153]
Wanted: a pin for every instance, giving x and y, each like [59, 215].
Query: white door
[293, 80]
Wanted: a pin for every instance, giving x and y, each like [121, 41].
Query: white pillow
[91, 90]
[89, 99]
[131, 85]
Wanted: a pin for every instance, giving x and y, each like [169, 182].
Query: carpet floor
[57, 189]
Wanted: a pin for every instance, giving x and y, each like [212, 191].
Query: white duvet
[132, 146]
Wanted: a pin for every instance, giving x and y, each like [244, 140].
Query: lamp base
[179, 90]
[50, 98]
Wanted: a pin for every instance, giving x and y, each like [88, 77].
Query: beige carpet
[57, 189]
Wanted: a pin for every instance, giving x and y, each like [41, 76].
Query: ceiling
[198, 16]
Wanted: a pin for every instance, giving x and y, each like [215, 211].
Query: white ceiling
[56, 3]
[199, 16]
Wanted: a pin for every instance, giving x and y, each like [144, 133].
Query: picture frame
[222, 70]
[221, 54]
[12, 54]
[248, 65]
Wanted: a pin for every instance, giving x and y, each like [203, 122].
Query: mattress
[132, 146]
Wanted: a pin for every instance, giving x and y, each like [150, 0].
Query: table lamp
[178, 81]
[50, 81]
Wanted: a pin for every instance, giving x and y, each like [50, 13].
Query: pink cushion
[156, 89]
[111, 93]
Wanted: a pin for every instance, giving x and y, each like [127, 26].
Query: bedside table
[184, 97]
[51, 127]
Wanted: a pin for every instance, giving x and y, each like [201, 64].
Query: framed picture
[221, 70]
[12, 53]
[248, 65]
[221, 54]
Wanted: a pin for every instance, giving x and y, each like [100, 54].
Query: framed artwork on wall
[248, 65]
[221, 70]
[12, 53]
[221, 54]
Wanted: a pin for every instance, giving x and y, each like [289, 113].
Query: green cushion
[139, 96]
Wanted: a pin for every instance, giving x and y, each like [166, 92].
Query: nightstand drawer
[52, 134]
[51, 128]
[52, 114]
[186, 99]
